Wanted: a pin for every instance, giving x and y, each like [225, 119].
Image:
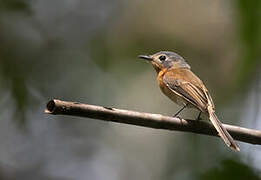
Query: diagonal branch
[157, 121]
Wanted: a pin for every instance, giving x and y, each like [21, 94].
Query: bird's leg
[199, 118]
[179, 111]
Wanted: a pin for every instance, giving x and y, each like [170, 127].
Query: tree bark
[157, 121]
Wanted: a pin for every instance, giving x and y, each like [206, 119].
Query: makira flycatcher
[182, 86]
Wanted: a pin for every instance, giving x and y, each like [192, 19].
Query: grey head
[166, 59]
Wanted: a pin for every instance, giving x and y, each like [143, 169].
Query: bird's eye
[162, 58]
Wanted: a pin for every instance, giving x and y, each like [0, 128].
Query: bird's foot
[177, 116]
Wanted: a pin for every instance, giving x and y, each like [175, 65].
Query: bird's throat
[156, 67]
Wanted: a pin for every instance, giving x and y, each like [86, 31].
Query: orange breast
[169, 93]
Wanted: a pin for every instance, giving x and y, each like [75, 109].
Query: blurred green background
[86, 50]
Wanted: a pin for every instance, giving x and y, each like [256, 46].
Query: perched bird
[182, 86]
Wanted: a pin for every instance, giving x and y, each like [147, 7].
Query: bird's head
[165, 60]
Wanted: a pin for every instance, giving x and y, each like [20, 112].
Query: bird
[182, 86]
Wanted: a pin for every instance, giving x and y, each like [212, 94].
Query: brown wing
[189, 87]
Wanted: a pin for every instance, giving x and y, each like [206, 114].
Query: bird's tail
[221, 130]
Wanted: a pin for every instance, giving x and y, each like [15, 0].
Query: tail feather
[222, 131]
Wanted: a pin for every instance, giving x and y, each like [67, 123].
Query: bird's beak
[148, 58]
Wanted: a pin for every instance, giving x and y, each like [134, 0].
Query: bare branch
[58, 107]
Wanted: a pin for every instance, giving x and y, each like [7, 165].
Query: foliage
[231, 169]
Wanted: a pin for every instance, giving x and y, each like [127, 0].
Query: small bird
[182, 86]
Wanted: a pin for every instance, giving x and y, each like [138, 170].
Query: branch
[157, 121]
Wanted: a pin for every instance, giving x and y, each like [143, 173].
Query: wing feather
[188, 91]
